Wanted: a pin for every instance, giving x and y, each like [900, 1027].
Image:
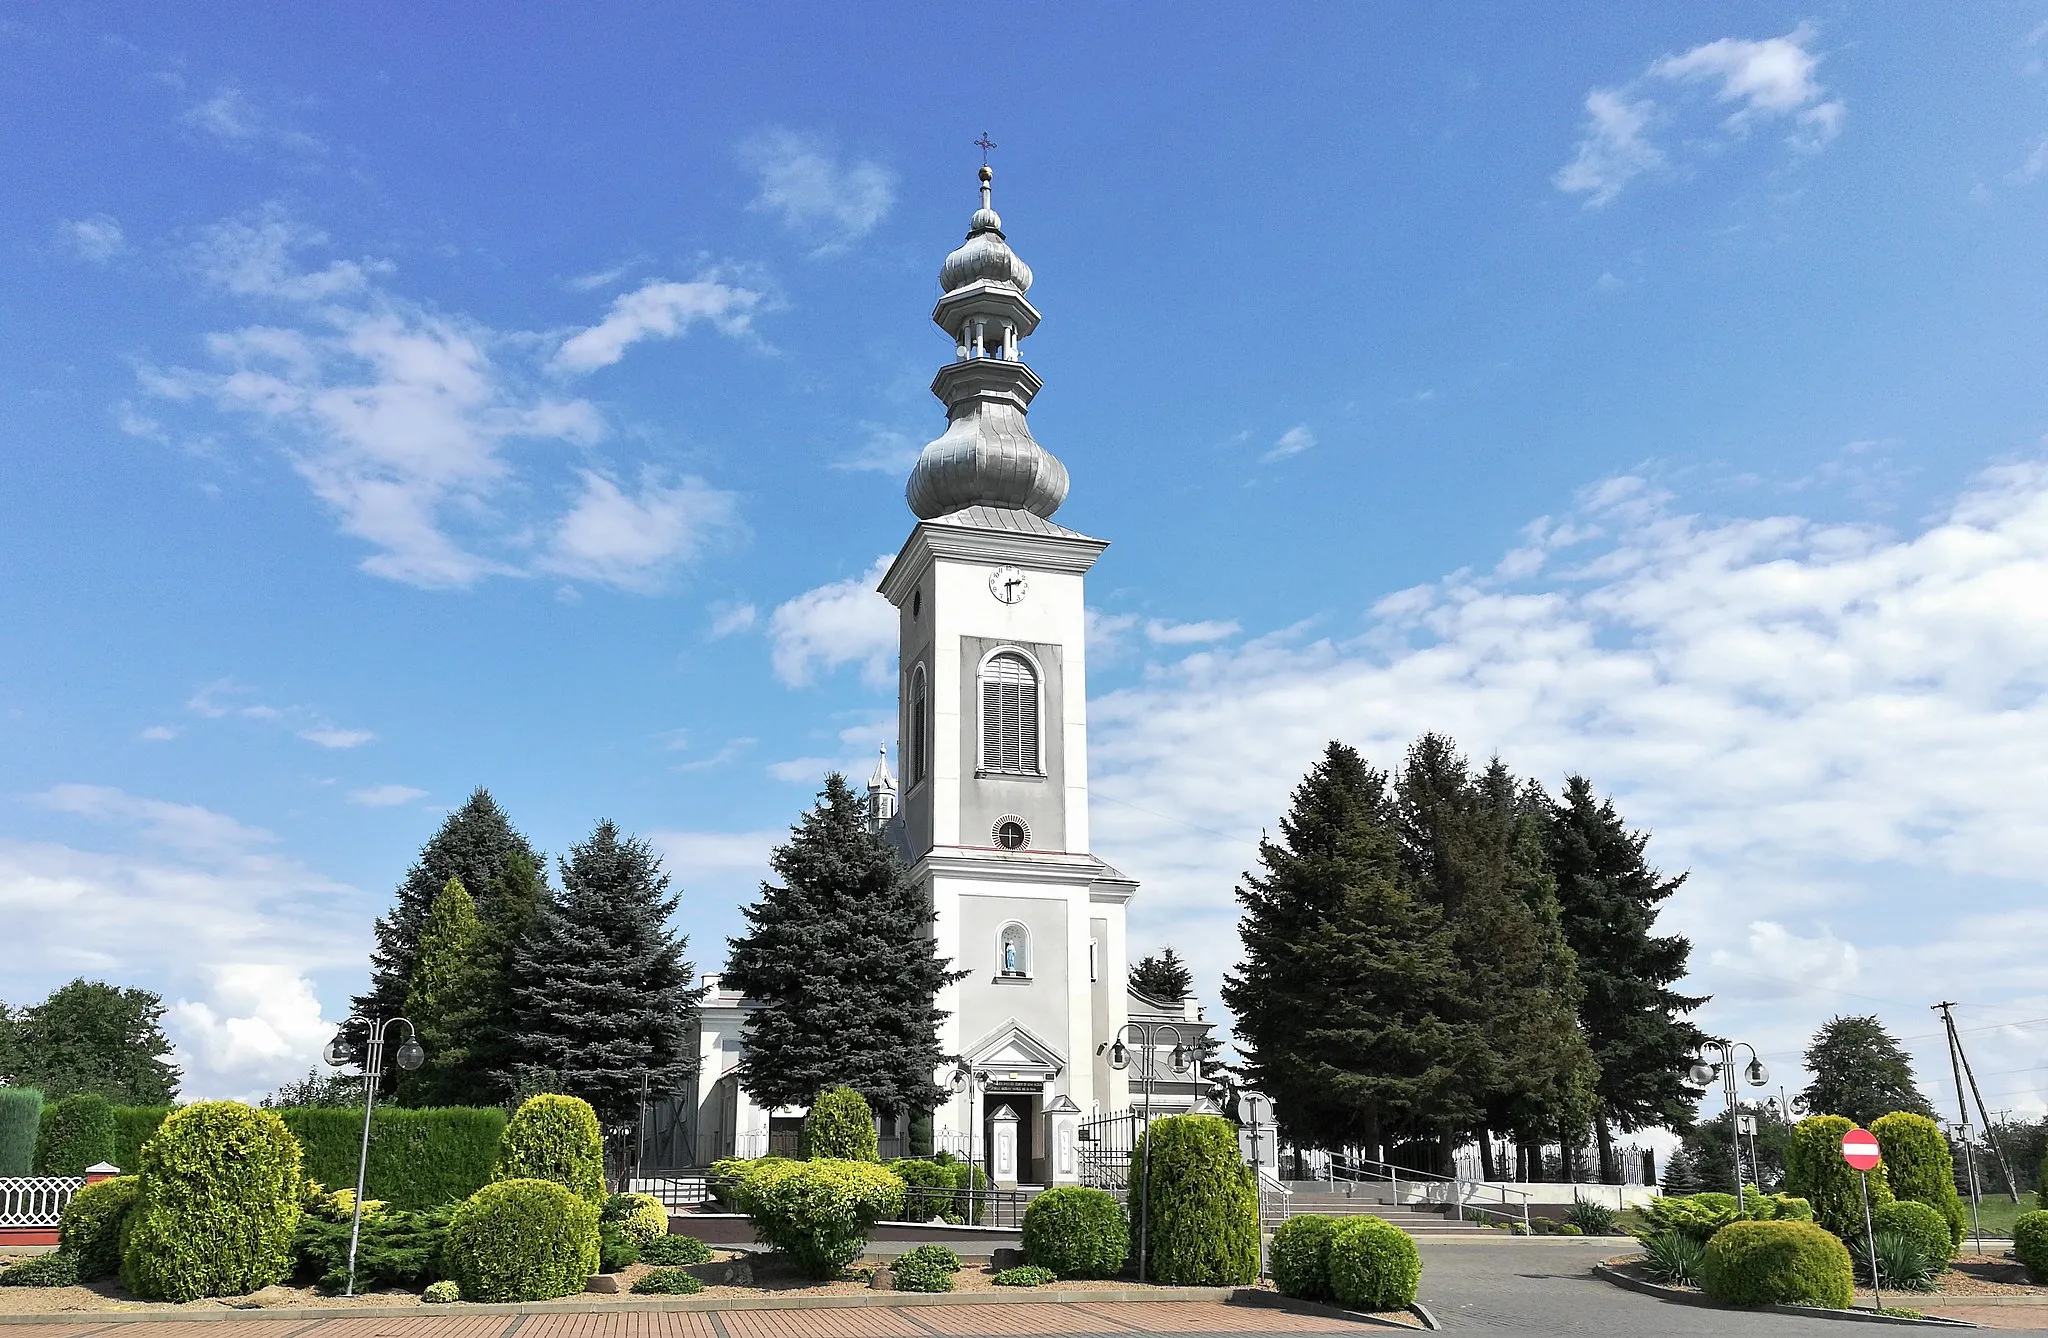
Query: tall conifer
[605, 997]
[1162, 976]
[1860, 1070]
[447, 1004]
[841, 959]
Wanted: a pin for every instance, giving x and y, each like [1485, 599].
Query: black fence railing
[1000, 1208]
[1103, 1149]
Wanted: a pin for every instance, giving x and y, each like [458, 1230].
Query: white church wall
[1040, 1002]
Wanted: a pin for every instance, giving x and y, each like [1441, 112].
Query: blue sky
[524, 399]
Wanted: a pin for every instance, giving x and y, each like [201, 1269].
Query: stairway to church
[1352, 1200]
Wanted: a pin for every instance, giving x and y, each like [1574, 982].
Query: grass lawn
[1998, 1211]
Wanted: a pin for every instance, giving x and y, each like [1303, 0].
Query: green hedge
[840, 1126]
[819, 1213]
[21, 1110]
[522, 1240]
[1919, 1166]
[554, 1138]
[1300, 1257]
[90, 1228]
[1203, 1225]
[136, 1125]
[1077, 1232]
[418, 1158]
[75, 1133]
[1815, 1171]
[1925, 1227]
[1374, 1265]
[1784, 1263]
[218, 1205]
[2030, 1243]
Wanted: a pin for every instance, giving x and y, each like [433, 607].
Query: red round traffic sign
[1859, 1149]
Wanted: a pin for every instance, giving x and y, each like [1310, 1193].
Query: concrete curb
[1679, 1297]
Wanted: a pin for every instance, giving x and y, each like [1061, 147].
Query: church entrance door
[1028, 1166]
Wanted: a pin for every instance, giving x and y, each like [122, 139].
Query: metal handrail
[1393, 1175]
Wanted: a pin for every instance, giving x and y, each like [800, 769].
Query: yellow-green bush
[840, 1126]
[1077, 1232]
[218, 1201]
[554, 1138]
[2030, 1242]
[1785, 1263]
[1203, 1228]
[522, 1240]
[1919, 1167]
[90, 1228]
[819, 1213]
[1300, 1257]
[1374, 1265]
[1918, 1223]
[1815, 1171]
[640, 1216]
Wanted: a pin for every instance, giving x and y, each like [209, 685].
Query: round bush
[522, 1240]
[1023, 1275]
[1077, 1232]
[667, 1282]
[675, 1251]
[1300, 1257]
[640, 1216]
[217, 1204]
[1374, 1265]
[1916, 1222]
[1203, 1226]
[1919, 1167]
[441, 1293]
[919, 1271]
[90, 1228]
[554, 1138]
[840, 1127]
[819, 1213]
[1784, 1263]
[75, 1133]
[1815, 1171]
[2030, 1242]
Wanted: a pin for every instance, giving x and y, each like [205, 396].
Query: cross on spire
[984, 144]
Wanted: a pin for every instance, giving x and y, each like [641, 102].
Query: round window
[1011, 834]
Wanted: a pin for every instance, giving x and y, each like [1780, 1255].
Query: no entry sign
[1859, 1149]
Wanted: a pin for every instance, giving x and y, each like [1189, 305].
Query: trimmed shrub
[2030, 1243]
[674, 1251]
[75, 1133]
[418, 1158]
[1674, 1257]
[1077, 1232]
[928, 1268]
[21, 1110]
[615, 1249]
[1918, 1223]
[640, 1216]
[444, 1292]
[397, 1249]
[939, 1256]
[1920, 1169]
[554, 1138]
[819, 1213]
[1203, 1224]
[1784, 1263]
[217, 1205]
[667, 1282]
[136, 1125]
[91, 1226]
[840, 1127]
[522, 1240]
[1023, 1275]
[1374, 1265]
[55, 1269]
[1300, 1257]
[1815, 1171]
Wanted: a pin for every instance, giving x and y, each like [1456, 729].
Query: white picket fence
[36, 1200]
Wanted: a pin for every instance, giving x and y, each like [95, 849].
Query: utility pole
[1957, 1053]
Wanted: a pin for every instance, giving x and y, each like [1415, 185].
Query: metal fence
[1103, 1148]
[1001, 1208]
[675, 1191]
[36, 1200]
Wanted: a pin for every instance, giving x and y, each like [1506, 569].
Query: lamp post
[1254, 1108]
[969, 1081]
[1705, 1070]
[1147, 1034]
[410, 1056]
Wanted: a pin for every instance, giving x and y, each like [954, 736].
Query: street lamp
[968, 1081]
[1147, 1034]
[410, 1056]
[1254, 1109]
[1705, 1070]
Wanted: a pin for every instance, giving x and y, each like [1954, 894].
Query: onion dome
[985, 255]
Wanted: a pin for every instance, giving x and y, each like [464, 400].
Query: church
[990, 812]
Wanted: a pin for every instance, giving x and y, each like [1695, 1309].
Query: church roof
[1012, 519]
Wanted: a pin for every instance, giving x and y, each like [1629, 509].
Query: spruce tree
[505, 919]
[1861, 1071]
[447, 1004]
[1633, 1019]
[1164, 977]
[840, 957]
[604, 995]
[477, 844]
[1349, 997]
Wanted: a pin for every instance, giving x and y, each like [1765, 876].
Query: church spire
[987, 456]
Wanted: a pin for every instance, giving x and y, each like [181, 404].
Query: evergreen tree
[477, 844]
[1349, 998]
[605, 997]
[1164, 977]
[1680, 1175]
[89, 1036]
[504, 920]
[1860, 1071]
[1633, 1019]
[447, 1004]
[841, 959]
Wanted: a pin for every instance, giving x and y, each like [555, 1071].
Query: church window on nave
[1009, 715]
[920, 729]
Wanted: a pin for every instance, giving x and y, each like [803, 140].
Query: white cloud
[1293, 441]
[730, 752]
[631, 541]
[159, 734]
[2034, 166]
[1161, 632]
[329, 737]
[225, 698]
[185, 827]
[230, 118]
[255, 256]
[886, 451]
[844, 622]
[1768, 80]
[260, 1026]
[385, 796]
[730, 619]
[1778, 963]
[1106, 631]
[805, 770]
[658, 309]
[714, 866]
[97, 239]
[815, 194]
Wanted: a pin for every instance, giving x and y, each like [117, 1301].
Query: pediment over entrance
[1012, 1053]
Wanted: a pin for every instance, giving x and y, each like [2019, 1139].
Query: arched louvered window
[920, 728]
[1009, 715]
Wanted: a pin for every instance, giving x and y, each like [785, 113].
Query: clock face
[1007, 584]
